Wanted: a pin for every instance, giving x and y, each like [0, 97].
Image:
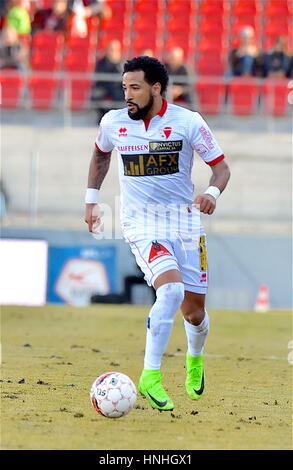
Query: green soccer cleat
[194, 382]
[151, 387]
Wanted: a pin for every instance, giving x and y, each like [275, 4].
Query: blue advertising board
[75, 273]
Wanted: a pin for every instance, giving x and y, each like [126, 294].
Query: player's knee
[171, 293]
[194, 314]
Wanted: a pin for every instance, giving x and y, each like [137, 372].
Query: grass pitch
[52, 354]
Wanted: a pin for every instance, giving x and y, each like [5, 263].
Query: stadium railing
[73, 91]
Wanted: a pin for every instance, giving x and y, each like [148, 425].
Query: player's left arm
[206, 202]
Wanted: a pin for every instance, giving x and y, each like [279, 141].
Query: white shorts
[155, 257]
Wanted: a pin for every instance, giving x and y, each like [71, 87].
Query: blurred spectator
[4, 7]
[111, 63]
[175, 66]
[81, 10]
[13, 52]
[289, 73]
[54, 18]
[18, 17]
[246, 59]
[90, 8]
[147, 52]
[277, 61]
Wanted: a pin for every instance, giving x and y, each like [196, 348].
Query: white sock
[160, 322]
[196, 335]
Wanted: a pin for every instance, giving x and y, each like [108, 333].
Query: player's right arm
[99, 166]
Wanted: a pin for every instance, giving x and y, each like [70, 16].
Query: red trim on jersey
[217, 160]
[163, 108]
[146, 123]
[160, 113]
[101, 151]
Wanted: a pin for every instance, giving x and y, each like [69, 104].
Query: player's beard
[141, 112]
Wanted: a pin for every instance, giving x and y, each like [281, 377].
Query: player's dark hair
[154, 70]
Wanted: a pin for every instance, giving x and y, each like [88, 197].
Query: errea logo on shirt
[122, 132]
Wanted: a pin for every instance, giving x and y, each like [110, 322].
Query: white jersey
[155, 157]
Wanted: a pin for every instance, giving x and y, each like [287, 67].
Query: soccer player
[155, 143]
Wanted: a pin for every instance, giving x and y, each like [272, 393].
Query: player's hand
[205, 203]
[93, 217]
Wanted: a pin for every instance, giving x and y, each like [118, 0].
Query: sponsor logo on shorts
[150, 164]
[202, 250]
[169, 146]
[158, 250]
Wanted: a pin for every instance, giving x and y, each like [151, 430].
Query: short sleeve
[103, 141]
[203, 141]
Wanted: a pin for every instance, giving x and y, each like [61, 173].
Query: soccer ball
[113, 394]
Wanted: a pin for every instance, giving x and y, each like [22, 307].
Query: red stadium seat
[243, 96]
[46, 60]
[180, 25]
[11, 86]
[208, 46]
[79, 61]
[84, 44]
[277, 28]
[42, 92]
[213, 7]
[142, 42]
[47, 39]
[114, 23]
[79, 95]
[210, 64]
[149, 7]
[210, 97]
[275, 96]
[184, 7]
[246, 19]
[147, 25]
[275, 8]
[245, 7]
[93, 25]
[118, 6]
[211, 26]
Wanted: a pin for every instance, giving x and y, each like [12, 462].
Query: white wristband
[213, 191]
[91, 196]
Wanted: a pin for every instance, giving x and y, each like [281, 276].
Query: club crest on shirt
[166, 132]
[157, 250]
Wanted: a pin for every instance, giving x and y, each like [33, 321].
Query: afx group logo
[150, 164]
[122, 132]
